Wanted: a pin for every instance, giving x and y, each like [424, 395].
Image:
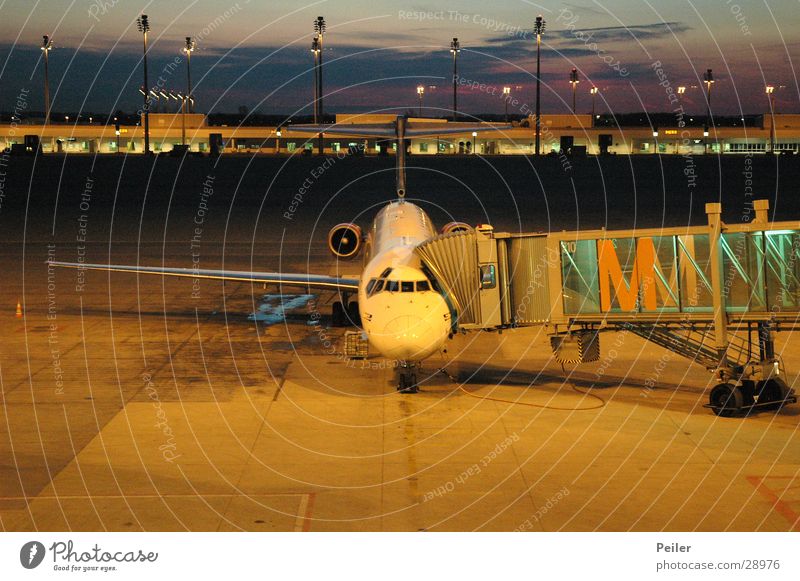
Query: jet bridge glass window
[488, 276]
[579, 275]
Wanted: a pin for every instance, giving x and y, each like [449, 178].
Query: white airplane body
[403, 315]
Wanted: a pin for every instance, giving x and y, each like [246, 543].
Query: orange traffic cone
[19, 310]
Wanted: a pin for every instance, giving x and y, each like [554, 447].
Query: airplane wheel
[771, 392]
[408, 383]
[337, 315]
[726, 400]
[353, 315]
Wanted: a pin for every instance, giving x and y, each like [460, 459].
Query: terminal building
[560, 134]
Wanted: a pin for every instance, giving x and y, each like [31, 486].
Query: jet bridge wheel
[772, 394]
[726, 400]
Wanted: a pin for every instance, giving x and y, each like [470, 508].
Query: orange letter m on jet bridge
[627, 294]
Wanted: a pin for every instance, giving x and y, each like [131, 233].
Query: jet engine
[456, 227]
[344, 240]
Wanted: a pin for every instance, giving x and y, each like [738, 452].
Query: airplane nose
[408, 337]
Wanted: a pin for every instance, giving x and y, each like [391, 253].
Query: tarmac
[154, 404]
[146, 404]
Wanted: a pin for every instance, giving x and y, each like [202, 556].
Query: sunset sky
[256, 53]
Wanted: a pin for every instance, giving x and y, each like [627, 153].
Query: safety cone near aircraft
[19, 310]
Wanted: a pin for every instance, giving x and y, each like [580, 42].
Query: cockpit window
[376, 285]
[386, 273]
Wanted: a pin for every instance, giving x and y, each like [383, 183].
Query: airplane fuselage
[405, 318]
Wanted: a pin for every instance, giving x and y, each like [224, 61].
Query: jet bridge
[715, 294]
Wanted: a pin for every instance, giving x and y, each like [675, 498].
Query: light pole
[315, 52]
[771, 96]
[420, 93]
[474, 135]
[708, 79]
[593, 92]
[47, 46]
[506, 97]
[188, 49]
[183, 99]
[538, 29]
[278, 141]
[573, 79]
[143, 24]
[455, 48]
[319, 28]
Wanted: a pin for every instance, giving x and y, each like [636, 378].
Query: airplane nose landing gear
[407, 377]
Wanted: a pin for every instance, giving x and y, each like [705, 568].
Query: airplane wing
[431, 131]
[309, 281]
[390, 131]
[380, 130]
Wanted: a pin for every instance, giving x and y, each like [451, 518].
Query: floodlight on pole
[474, 135]
[770, 90]
[506, 97]
[593, 92]
[189, 49]
[143, 25]
[315, 52]
[455, 48]
[319, 28]
[573, 79]
[420, 93]
[708, 79]
[47, 46]
[538, 30]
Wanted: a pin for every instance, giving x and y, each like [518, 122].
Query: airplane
[400, 307]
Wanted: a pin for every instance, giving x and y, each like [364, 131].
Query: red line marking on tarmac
[782, 507]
